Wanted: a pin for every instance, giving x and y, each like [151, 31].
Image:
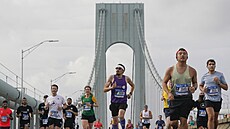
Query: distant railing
[13, 79]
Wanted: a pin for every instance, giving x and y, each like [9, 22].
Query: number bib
[202, 113]
[146, 121]
[4, 118]
[54, 113]
[119, 93]
[160, 127]
[212, 90]
[68, 114]
[86, 108]
[44, 121]
[25, 117]
[181, 89]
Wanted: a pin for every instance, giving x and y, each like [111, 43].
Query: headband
[121, 66]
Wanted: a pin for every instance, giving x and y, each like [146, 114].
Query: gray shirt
[213, 90]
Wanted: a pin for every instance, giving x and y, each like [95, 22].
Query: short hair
[55, 85]
[24, 98]
[211, 60]
[181, 49]
[5, 101]
[87, 87]
[45, 96]
[69, 99]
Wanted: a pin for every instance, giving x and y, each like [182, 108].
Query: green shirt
[88, 110]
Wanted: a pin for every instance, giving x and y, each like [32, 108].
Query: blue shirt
[213, 90]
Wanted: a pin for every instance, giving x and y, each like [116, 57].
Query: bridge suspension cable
[152, 69]
[98, 46]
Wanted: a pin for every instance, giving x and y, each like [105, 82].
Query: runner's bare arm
[194, 79]
[108, 83]
[131, 84]
[166, 78]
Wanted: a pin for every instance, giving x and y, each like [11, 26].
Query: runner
[88, 102]
[184, 83]
[70, 114]
[160, 123]
[98, 124]
[117, 84]
[25, 113]
[211, 84]
[5, 116]
[169, 124]
[55, 103]
[202, 117]
[43, 114]
[145, 117]
[129, 125]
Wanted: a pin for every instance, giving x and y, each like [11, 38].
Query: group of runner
[179, 83]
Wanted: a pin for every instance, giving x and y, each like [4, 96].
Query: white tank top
[145, 114]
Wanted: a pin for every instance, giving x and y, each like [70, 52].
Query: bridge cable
[100, 47]
[96, 49]
[143, 50]
[148, 53]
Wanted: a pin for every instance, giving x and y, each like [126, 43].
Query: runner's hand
[192, 89]
[170, 96]
[205, 89]
[216, 80]
[59, 108]
[114, 85]
[129, 96]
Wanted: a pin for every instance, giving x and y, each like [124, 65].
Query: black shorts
[115, 107]
[24, 123]
[69, 123]
[216, 105]
[90, 119]
[146, 125]
[166, 111]
[44, 123]
[4, 127]
[180, 108]
[202, 123]
[55, 122]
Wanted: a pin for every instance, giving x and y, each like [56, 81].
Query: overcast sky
[202, 27]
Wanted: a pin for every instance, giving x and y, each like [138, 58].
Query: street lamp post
[29, 50]
[58, 78]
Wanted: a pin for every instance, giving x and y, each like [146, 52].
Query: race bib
[119, 93]
[54, 113]
[68, 114]
[212, 90]
[25, 117]
[202, 113]
[4, 118]
[146, 121]
[181, 89]
[44, 121]
[140, 124]
[86, 108]
[160, 127]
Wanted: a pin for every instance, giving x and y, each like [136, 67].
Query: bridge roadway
[11, 93]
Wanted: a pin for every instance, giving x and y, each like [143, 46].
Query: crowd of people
[179, 84]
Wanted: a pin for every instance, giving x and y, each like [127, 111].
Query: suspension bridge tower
[119, 23]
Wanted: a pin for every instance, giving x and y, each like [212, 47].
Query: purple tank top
[118, 95]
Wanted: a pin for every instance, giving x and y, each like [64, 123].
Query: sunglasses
[119, 68]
